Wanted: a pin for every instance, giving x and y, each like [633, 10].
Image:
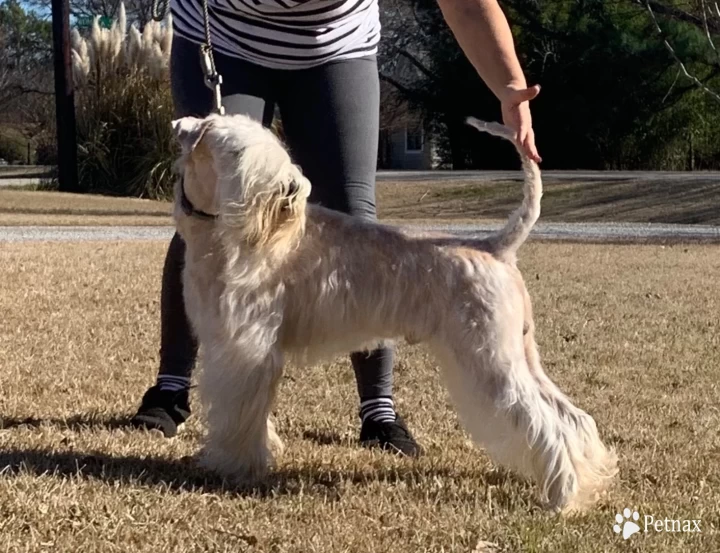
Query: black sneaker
[390, 436]
[162, 410]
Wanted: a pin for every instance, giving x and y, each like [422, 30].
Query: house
[405, 146]
[405, 142]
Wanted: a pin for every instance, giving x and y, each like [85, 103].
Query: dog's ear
[189, 131]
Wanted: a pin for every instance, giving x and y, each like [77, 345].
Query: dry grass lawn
[34, 207]
[439, 201]
[631, 332]
[687, 202]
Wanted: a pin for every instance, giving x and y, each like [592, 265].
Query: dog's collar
[189, 209]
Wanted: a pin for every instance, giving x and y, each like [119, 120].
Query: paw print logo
[628, 527]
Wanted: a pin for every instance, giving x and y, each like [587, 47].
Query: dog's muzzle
[189, 209]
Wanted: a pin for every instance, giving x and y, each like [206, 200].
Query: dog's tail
[506, 242]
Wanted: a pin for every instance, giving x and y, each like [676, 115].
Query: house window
[414, 139]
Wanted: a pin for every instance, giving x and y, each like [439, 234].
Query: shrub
[13, 146]
[124, 109]
[46, 149]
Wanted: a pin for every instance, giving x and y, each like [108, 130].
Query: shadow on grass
[185, 474]
[78, 422]
[125, 469]
[325, 437]
[92, 420]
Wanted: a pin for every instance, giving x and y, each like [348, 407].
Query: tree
[137, 11]
[611, 93]
[25, 52]
[420, 58]
[26, 76]
[704, 16]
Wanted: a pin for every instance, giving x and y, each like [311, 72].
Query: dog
[269, 278]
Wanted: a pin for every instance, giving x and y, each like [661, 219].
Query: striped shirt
[283, 34]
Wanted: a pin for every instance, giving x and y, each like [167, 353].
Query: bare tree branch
[670, 49]
[709, 37]
[676, 13]
[675, 80]
[416, 63]
[28, 90]
[398, 85]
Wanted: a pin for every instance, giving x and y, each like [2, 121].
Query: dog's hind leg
[499, 401]
[238, 395]
[594, 464]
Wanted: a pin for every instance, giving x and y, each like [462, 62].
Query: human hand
[516, 115]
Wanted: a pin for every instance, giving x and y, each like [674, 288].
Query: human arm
[483, 33]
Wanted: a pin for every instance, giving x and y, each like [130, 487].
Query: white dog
[268, 277]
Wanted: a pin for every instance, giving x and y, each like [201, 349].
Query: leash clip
[213, 79]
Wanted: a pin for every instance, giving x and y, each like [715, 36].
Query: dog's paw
[275, 444]
[239, 467]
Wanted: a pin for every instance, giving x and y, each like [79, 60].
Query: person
[315, 60]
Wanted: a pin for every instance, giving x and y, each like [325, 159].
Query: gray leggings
[330, 117]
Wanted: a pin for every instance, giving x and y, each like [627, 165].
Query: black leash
[213, 80]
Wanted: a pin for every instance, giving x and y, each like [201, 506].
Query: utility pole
[64, 98]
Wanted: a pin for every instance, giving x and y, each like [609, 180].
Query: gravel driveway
[591, 232]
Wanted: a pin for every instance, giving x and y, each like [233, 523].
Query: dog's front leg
[238, 395]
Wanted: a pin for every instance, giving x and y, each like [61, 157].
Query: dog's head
[237, 175]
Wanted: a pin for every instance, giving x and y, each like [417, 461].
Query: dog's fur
[273, 278]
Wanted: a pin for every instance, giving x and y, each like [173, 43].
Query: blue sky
[42, 10]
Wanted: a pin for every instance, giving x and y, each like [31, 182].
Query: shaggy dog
[269, 278]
